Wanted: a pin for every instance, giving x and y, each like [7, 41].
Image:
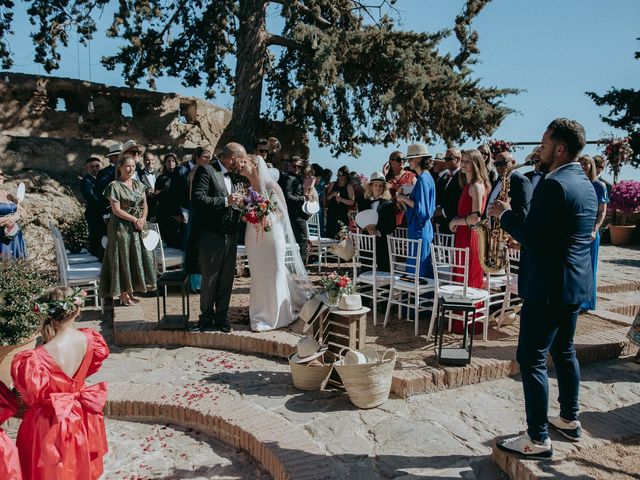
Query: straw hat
[114, 149]
[308, 349]
[417, 150]
[131, 145]
[311, 309]
[377, 177]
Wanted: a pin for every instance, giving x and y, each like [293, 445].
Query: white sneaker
[571, 430]
[523, 446]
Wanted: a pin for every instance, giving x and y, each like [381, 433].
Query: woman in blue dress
[11, 239]
[420, 206]
[589, 167]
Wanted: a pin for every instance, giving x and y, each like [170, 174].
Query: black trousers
[299, 227]
[217, 260]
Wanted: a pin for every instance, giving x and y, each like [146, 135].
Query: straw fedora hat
[131, 145]
[417, 150]
[308, 349]
[114, 149]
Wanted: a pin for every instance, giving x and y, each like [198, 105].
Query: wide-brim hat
[367, 217]
[311, 309]
[416, 150]
[308, 349]
[114, 149]
[130, 145]
[310, 207]
[439, 157]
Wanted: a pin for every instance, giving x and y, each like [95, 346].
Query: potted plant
[625, 200]
[21, 282]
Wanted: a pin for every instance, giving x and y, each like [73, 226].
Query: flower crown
[57, 307]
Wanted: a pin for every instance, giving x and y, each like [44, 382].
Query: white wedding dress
[278, 291]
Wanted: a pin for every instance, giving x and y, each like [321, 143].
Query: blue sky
[555, 50]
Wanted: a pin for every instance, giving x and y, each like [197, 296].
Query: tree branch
[283, 41]
[303, 8]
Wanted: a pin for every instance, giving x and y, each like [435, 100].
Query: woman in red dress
[62, 435]
[476, 187]
[397, 177]
[9, 462]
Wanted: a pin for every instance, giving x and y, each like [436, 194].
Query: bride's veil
[297, 273]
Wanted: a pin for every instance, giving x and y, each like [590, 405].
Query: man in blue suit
[555, 278]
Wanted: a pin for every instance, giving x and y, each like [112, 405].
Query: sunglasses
[399, 159]
[450, 159]
[500, 164]
[263, 150]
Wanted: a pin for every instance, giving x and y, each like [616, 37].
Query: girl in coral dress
[470, 207]
[9, 462]
[62, 435]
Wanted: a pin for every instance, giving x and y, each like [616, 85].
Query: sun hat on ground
[308, 349]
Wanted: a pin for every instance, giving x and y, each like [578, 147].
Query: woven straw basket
[306, 377]
[368, 384]
[345, 249]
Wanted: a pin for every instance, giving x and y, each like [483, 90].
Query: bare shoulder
[476, 188]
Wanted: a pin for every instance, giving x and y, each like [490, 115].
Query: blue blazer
[555, 264]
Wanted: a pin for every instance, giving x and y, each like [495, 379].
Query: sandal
[125, 301]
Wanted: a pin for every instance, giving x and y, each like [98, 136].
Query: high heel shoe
[134, 299]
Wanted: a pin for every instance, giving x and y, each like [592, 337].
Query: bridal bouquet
[335, 286]
[256, 209]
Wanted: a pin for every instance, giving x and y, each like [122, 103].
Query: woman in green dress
[127, 266]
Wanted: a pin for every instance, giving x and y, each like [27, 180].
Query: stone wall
[45, 122]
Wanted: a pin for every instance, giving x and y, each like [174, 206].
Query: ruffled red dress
[9, 461]
[62, 435]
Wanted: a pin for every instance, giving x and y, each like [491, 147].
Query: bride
[279, 288]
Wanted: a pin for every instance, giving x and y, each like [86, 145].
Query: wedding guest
[202, 156]
[589, 168]
[485, 150]
[554, 279]
[11, 239]
[295, 195]
[520, 189]
[340, 196]
[127, 266]
[9, 461]
[377, 197]
[601, 163]
[535, 176]
[104, 178]
[320, 187]
[92, 208]
[421, 205]
[451, 191]
[62, 434]
[309, 180]
[179, 191]
[397, 177]
[165, 211]
[148, 175]
[475, 185]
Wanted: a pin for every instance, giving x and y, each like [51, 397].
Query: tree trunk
[251, 54]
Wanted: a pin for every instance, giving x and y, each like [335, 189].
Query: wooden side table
[345, 328]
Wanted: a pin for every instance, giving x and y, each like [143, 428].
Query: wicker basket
[306, 377]
[345, 249]
[368, 384]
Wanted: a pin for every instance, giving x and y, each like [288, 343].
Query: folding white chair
[83, 275]
[289, 255]
[367, 279]
[73, 258]
[511, 286]
[166, 258]
[451, 271]
[444, 239]
[401, 232]
[407, 288]
[318, 245]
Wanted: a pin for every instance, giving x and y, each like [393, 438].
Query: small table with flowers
[344, 329]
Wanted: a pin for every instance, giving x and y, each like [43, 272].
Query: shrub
[75, 234]
[21, 282]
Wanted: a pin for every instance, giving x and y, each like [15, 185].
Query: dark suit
[450, 196]
[520, 193]
[212, 243]
[386, 226]
[294, 194]
[92, 214]
[104, 178]
[152, 203]
[555, 278]
[535, 178]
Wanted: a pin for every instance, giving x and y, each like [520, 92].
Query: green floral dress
[127, 266]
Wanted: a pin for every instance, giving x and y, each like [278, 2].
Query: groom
[212, 244]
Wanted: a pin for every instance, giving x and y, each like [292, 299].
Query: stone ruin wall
[35, 135]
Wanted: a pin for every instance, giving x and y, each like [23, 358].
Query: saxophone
[493, 241]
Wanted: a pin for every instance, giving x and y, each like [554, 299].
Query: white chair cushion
[85, 267]
[74, 259]
[83, 276]
[475, 294]
[497, 281]
[424, 284]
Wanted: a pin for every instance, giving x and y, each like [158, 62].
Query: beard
[546, 165]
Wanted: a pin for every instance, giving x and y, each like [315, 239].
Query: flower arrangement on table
[256, 209]
[499, 146]
[625, 199]
[335, 286]
[618, 151]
